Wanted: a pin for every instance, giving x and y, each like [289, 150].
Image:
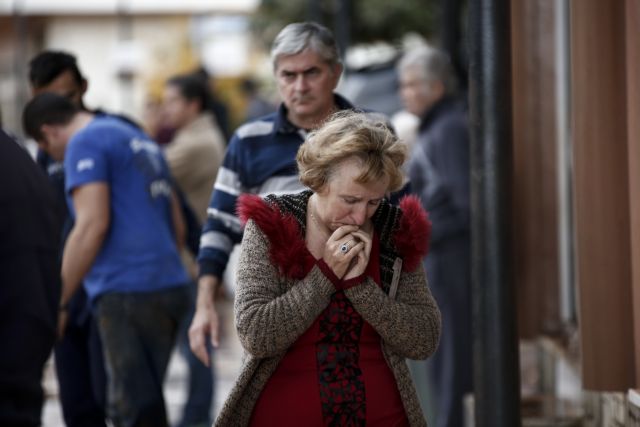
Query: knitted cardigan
[275, 305]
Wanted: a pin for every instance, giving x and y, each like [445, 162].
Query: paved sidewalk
[227, 365]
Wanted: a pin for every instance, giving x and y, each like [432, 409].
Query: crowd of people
[354, 249]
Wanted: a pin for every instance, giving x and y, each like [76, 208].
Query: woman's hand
[361, 260]
[334, 255]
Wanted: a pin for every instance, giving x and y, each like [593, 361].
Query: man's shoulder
[121, 117]
[201, 131]
[454, 114]
[105, 133]
[260, 127]
[452, 121]
[110, 126]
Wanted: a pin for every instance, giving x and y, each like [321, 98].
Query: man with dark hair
[79, 361]
[30, 278]
[57, 72]
[78, 355]
[123, 244]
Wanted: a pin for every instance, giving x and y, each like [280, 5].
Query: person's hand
[205, 324]
[63, 318]
[337, 259]
[359, 264]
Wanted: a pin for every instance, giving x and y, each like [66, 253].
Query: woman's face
[177, 110]
[343, 201]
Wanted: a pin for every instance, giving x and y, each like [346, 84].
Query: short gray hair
[299, 36]
[433, 64]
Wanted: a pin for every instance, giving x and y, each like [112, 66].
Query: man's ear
[48, 132]
[337, 71]
[84, 86]
[438, 89]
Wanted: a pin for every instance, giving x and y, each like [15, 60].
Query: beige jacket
[194, 156]
[273, 307]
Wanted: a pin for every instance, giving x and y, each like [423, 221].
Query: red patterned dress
[335, 373]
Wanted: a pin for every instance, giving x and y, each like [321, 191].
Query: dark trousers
[450, 368]
[80, 369]
[138, 332]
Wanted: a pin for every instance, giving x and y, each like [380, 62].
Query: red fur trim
[413, 233]
[248, 205]
[287, 248]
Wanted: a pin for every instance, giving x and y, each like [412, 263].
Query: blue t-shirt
[139, 253]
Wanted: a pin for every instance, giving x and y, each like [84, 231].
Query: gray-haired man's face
[306, 83]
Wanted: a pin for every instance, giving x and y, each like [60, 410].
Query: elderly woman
[332, 296]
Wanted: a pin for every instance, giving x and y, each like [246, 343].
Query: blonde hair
[349, 134]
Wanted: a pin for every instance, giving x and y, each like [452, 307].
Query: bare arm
[92, 206]
[205, 318]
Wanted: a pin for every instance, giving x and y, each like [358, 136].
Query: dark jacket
[29, 283]
[439, 170]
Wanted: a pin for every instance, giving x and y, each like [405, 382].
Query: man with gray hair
[439, 174]
[260, 158]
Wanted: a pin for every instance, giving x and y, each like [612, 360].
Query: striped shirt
[260, 159]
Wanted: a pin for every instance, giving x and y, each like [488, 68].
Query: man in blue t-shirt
[124, 245]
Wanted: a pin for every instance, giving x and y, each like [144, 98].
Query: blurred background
[575, 204]
[128, 48]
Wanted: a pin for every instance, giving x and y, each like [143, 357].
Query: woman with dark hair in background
[194, 156]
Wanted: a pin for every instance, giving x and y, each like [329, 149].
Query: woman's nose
[359, 215]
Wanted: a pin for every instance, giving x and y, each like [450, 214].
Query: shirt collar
[437, 109]
[283, 125]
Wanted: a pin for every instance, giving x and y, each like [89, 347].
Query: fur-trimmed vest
[404, 231]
